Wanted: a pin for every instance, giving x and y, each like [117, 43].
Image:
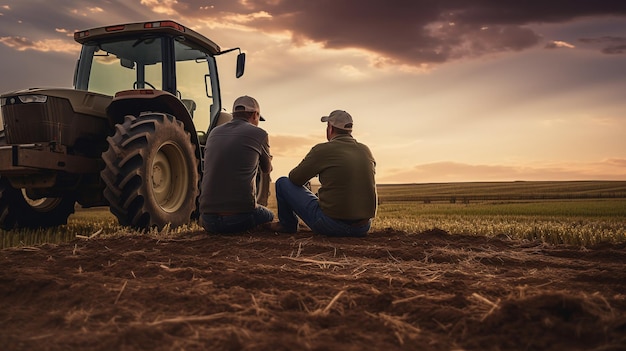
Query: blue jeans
[297, 201]
[235, 223]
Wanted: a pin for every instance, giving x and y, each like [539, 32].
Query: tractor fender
[134, 102]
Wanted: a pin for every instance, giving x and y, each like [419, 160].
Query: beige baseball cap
[248, 103]
[339, 119]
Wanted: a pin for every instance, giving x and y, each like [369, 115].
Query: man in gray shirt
[233, 155]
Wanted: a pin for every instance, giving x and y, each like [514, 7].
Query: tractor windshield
[123, 65]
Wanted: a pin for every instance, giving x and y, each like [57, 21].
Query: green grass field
[504, 191]
[576, 213]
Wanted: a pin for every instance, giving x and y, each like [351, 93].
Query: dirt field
[263, 291]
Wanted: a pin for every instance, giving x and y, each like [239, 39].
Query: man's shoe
[277, 227]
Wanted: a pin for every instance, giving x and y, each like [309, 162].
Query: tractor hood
[83, 102]
[65, 116]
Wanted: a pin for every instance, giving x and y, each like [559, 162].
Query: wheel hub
[169, 177]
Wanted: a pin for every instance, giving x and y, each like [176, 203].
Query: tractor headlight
[26, 99]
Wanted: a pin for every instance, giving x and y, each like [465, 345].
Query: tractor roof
[134, 29]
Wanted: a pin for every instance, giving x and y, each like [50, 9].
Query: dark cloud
[409, 32]
[611, 45]
[614, 49]
[43, 19]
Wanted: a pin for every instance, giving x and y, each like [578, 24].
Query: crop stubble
[262, 291]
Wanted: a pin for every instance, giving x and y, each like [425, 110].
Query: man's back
[231, 161]
[346, 170]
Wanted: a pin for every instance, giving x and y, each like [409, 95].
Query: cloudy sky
[446, 90]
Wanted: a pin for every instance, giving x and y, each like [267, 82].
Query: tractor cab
[137, 63]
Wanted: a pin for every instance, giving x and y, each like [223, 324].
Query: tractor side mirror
[241, 64]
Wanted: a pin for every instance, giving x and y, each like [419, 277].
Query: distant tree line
[509, 197]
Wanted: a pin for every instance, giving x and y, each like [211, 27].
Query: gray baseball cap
[339, 119]
[249, 104]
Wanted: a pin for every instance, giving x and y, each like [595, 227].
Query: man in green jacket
[347, 199]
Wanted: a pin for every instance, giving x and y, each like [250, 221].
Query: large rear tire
[17, 210]
[151, 172]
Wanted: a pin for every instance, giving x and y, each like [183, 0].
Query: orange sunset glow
[440, 91]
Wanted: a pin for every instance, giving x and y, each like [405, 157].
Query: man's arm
[265, 160]
[307, 169]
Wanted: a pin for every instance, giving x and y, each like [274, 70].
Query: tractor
[129, 135]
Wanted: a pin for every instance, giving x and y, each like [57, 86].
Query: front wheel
[151, 172]
[17, 210]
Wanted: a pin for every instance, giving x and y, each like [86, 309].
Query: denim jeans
[297, 201]
[235, 223]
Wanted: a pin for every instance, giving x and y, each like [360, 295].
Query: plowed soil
[264, 291]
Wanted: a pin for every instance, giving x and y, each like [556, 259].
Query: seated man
[347, 197]
[233, 153]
